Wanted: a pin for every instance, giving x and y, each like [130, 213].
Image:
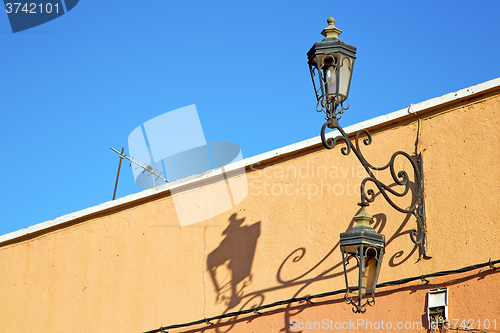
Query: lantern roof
[362, 233]
[331, 43]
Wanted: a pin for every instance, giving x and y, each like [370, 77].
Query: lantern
[362, 251]
[331, 62]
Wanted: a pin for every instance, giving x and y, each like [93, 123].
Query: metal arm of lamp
[331, 64]
[418, 236]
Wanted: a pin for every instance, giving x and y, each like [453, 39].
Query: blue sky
[75, 86]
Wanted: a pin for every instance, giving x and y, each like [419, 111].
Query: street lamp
[364, 247]
[331, 62]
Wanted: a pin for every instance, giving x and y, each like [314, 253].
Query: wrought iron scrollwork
[400, 178]
[359, 307]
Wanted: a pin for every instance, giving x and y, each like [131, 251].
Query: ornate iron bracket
[418, 236]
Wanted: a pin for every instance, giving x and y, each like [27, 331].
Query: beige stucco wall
[133, 268]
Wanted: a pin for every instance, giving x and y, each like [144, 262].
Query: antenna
[145, 167]
[118, 175]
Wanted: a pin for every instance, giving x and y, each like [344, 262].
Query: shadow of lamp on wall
[331, 63]
[234, 255]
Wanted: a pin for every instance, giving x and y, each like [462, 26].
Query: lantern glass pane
[331, 80]
[351, 260]
[345, 77]
[316, 79]
[371, 261]
[369, 273]
[330, 76]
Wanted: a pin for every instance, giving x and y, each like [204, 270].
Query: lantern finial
[331, 30]
[363, 218]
